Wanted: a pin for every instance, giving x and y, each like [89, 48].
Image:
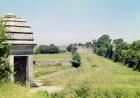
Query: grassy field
[40, 70]
[96, 78]
[9, 90]
[53, 57]
[98, 73]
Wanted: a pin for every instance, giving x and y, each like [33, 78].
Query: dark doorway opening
[20, 63]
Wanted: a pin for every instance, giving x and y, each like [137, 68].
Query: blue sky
[67, 21]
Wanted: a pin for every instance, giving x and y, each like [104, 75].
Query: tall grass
[85, 90]
[9, 90]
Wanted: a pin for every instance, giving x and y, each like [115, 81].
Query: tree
[5, 69]
[137, 67]
[116, 55]
[103, 43]
[94, 46]
[117, 41]
[136, 45]
[109, 52]
[135, 58]
[119, 54]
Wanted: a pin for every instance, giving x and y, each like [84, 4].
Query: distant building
[20, 37]
[83, 49]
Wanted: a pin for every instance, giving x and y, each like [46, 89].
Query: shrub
[71, 48]
[84, 91]
[44, 49]
[5, 69]
[76, 60]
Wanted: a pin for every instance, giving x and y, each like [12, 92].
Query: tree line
[117, 50]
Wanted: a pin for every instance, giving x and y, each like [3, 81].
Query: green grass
[9, 90]
[53, 57]
[101, 74]
[96, 71]
[40, 70]
[96, 78]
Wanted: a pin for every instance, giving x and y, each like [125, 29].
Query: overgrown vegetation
[5, 70]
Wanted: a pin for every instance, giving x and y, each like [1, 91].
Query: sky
[62, 22]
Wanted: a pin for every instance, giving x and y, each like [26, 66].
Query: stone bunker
[20, 37]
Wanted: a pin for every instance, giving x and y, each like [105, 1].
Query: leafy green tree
[137, 67]
[119, 47]
[117, 55]
[132, 61]
[135, 45]
[117, 41]
[109, 52]
[125, 56]
[103, 43]
[5, 69]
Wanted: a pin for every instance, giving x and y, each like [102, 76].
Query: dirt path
[49, 89]
[37, 86]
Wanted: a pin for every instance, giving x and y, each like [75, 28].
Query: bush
[71, 48]
[84, 91]
[44, 49]
[5, 72]
[5, 69]
[76, 60]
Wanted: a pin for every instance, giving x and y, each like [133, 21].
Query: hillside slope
[96, 71]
